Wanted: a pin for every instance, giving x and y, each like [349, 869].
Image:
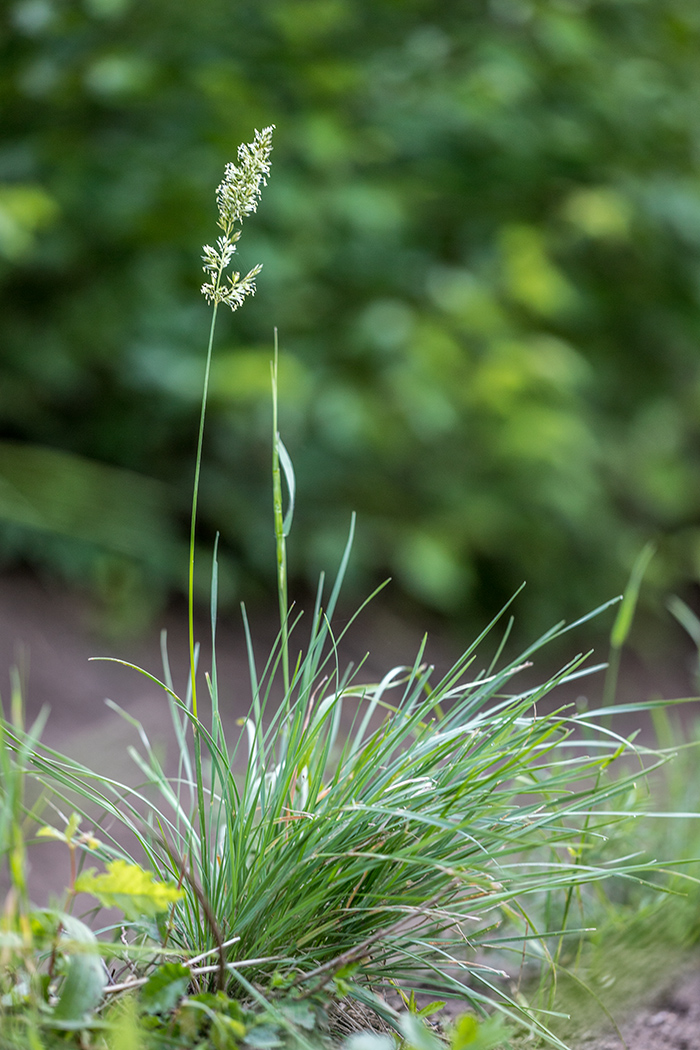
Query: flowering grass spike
[237, 196]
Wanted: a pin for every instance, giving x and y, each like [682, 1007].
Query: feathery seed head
[239, 192]
[237, 196]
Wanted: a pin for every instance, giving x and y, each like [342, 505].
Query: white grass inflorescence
[237, 196]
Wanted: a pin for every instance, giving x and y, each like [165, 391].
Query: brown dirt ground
[668, 1020]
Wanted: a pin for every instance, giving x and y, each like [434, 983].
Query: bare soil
[669, 1020]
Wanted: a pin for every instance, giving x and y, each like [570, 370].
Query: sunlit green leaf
[129, 887]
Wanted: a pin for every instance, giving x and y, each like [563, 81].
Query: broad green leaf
[129, 887]
[264, 1037]
[83, 986]
[300, 1013]
[164, 988]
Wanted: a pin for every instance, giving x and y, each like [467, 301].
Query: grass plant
[423, 832]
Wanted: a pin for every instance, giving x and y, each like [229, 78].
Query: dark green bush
[480, 249]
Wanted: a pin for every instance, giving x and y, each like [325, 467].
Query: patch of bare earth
[670, 1020]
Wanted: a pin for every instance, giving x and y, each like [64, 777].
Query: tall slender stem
[279, 529]
[190, 598]
[237, 196]
[195, 494]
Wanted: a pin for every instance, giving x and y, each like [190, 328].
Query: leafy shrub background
[480, 248]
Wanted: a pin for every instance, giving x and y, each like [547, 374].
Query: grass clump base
[441, 837]
[351, 839]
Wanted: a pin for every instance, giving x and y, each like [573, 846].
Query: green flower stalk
[237, 196]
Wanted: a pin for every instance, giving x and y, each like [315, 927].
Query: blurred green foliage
[481, 244]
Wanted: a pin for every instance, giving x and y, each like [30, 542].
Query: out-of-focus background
[481, 248]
